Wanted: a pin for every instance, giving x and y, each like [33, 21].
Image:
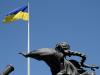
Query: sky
[76, 22]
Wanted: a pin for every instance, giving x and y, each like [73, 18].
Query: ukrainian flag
[19, 13]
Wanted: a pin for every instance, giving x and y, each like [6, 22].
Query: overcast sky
[76, 22]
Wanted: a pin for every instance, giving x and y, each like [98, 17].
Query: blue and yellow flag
[19, 13]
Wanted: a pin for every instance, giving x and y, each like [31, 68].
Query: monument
[56, 60]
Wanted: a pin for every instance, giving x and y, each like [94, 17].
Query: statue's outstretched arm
[40, 54]
[32, 54]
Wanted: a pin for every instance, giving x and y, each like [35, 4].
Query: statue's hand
[22, 53]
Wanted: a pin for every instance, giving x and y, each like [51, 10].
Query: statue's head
[62, 46]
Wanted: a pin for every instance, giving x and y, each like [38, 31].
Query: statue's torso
[55, 60]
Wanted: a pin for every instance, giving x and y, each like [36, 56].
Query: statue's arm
[40, 54]
[32, 54]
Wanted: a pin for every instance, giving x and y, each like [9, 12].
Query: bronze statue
[56, 60]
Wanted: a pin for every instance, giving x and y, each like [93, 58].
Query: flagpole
[28, 44]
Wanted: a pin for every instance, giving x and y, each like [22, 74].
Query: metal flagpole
[28, 43]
